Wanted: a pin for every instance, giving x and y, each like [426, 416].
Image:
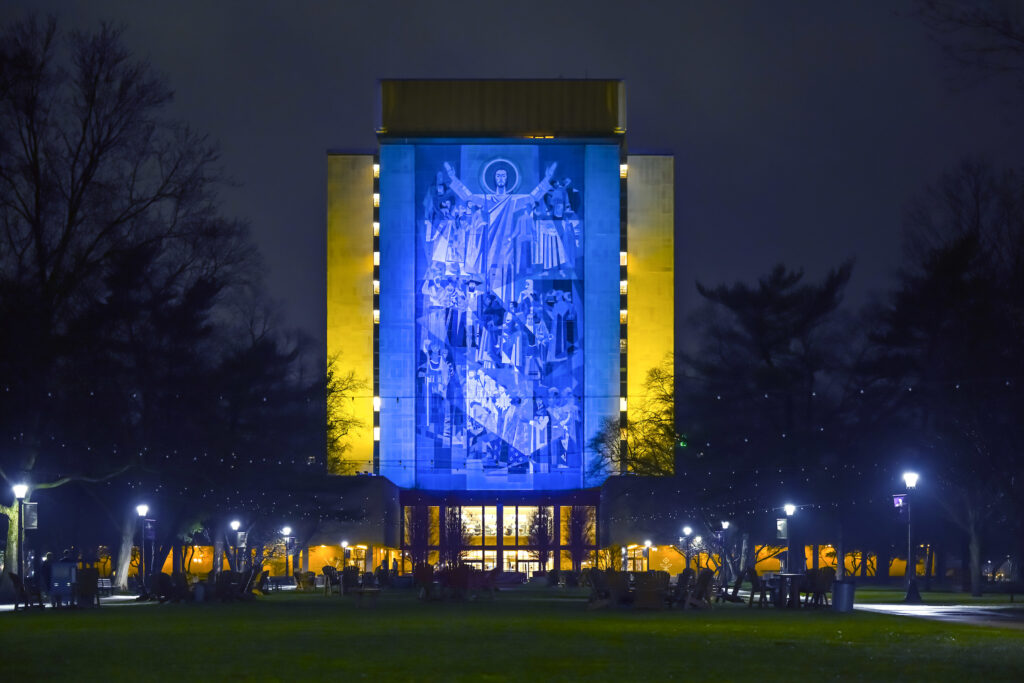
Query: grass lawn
[521, 635]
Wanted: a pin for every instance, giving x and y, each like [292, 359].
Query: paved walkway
[112, 601]
[1004, 616]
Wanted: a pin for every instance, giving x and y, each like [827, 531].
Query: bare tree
[579, 532]
[541, 532]
[983, 38]
[108, 222]
[417, 533]
[454, 537]
[340, 388]
[645, 444]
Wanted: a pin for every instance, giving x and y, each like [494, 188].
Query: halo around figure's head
[493, 166]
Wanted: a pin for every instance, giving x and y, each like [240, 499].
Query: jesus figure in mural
[506, 215]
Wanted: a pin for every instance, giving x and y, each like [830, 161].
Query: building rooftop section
[502, 108]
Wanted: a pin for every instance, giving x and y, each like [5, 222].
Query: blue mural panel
[500, 236]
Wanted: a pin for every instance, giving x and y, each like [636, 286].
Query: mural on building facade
[499, 314]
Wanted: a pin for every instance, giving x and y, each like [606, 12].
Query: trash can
[842, 595]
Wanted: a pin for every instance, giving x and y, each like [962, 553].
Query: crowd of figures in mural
[499, 322]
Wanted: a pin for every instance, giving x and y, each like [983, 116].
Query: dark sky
[800, 129]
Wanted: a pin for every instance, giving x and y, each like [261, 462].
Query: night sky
[800, 130]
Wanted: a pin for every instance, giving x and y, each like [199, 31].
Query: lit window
[622, 258]
[622, 316]
[376, 199]
[376, 258]
[376, 170]
[622, 286]
[376, 286]
[622, 404]
[376, 316]
[376, 404]
[623, 170]
[376, 229]
[376, 433]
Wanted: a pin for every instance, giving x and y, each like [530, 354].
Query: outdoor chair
[823, 586]
[26, 593]
[423, 577]
[483, 581]
[229, 586]
[305, 581]
[651, 590]
[599, 595]
[807, 585]
[618, 588]
[700, 596]
[87, 593]
[684, 584]
[730, 595]
[758, 588]
[332, 580]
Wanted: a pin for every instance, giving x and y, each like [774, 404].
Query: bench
[105, 586]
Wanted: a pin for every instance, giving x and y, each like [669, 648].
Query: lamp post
[344, 554]
[287, 533]
[696, 542]
[20, 491]
[789, 509]
[913, 596]
[647, 553]
[721, 548]
[686, 539]
[142, 510]
[235, 525]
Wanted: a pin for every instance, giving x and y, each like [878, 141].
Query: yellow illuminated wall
[350, 292]
[650, 271]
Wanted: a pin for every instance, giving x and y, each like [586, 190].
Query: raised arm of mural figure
[544, 186]
[460, 189]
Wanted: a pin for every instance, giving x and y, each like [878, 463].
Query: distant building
[500, 273]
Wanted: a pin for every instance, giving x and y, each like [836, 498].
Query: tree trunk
[974, 544]
[929, 561]
[124, 553]
[840, 556]
[11, 549]
[882, 565]
[745, 552]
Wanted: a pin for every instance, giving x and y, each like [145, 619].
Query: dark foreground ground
[526, 635]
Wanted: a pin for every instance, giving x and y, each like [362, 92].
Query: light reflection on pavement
[1006, 616]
